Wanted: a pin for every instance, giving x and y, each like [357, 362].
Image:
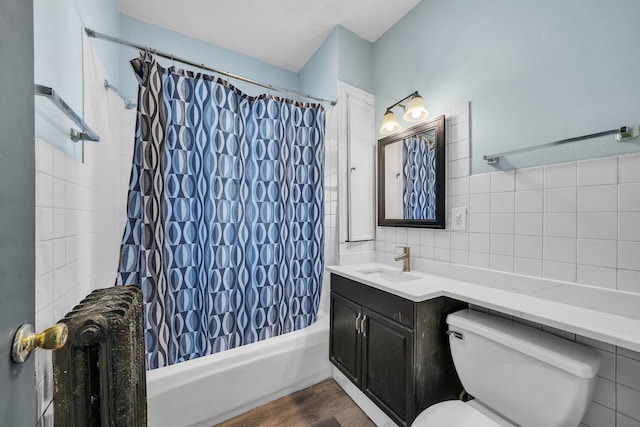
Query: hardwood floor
[322, 405]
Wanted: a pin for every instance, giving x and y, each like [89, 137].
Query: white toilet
[518, 375]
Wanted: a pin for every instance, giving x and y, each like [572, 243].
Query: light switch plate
[459, 219]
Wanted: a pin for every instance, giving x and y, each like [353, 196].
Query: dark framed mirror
[411, 176]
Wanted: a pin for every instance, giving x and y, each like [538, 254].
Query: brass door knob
[26, 340]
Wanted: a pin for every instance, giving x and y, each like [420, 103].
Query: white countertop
[606, 315]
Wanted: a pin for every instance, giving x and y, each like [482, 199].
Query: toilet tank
[529, 376]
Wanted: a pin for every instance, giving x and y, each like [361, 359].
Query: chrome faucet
[405, 258]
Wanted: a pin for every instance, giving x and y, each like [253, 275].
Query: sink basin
[389, 275]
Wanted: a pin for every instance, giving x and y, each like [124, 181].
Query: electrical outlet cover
[459, 219]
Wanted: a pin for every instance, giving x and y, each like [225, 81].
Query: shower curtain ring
[147, 53]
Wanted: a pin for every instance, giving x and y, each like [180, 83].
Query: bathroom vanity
[388, 335]
[395, 350]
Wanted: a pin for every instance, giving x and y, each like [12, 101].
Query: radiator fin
[99, 376]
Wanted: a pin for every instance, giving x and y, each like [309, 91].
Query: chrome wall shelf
[85, 133]
[128, 102]
[622, 134]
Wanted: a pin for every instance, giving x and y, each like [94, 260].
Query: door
[344, 342]
[17, 207]
[387, 351]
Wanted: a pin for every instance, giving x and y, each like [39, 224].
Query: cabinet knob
[353, 169]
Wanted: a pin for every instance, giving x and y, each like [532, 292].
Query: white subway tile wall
[79, 216]
[78, 232]
[331, 238]
[577, 222]
[331, 189]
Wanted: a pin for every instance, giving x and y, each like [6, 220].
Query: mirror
[411, 177]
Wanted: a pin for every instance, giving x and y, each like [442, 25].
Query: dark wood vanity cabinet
[396, 351]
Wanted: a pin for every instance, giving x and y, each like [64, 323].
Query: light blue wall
[103, 16]
[58, 26]
[168, 41]
[319, 76]
[355, 60]
[534, 72]
[342, 56]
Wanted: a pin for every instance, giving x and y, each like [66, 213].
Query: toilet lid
[453, 413]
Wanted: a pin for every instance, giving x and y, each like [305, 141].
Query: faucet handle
[404, 257]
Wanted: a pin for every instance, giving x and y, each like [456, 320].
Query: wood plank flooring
[322, 405]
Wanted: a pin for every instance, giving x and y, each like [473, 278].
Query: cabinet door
[344, 344]
[356, 164]
[387, 349]
[361, 176]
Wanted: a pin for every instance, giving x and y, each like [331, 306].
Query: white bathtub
[211, 389]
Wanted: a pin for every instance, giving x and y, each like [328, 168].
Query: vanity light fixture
[414, 111]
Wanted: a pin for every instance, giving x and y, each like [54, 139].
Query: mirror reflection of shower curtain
[225, 227]
[418, 177]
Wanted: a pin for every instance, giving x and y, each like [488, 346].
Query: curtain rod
[101, 36]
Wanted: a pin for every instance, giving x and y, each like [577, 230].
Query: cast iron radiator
[99, 376]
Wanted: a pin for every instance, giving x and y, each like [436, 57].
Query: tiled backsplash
[577, 222]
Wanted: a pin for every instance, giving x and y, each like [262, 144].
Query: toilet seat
[455, 413]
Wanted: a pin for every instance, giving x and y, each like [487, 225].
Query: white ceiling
[285, 33]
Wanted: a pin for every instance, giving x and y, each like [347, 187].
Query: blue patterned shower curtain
[225, 213]
[418, 178]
